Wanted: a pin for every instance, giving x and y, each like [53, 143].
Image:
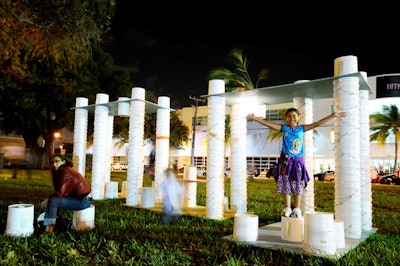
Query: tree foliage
[384, 125]
[51, 53]
[47, 50]
[59, 32]
[179, 133]
[238, 78]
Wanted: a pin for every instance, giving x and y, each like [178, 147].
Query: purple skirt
[291, 175]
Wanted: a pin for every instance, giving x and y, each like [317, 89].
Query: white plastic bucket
[245, 227]
[147, 197]
[345, 65]
[84, 219]
[123, 106]
[292, 229]
[123, 189]
[189, 188]
[20, 220]
[111, 190]
[339, 234]
[319, 233]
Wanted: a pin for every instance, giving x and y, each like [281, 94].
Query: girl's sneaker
[296, 213]
[287, 212]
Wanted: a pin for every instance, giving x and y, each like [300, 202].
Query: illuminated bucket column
[100, 155]
[123, 111]
[366, 190]
[347, 147]
[135, 153]
[80, 135]
[162, 144]
[189, 187]
[305, 107]
[109, 148]
[215, 150]
[238, 159]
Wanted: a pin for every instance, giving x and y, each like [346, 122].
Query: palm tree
[385, 125]
[238, 79]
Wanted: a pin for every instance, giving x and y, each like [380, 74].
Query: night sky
[172, 49]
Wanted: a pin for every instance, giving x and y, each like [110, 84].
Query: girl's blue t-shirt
[293, 141]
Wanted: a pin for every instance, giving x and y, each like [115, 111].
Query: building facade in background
[262, 152]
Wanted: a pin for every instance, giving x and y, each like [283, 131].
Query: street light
[56, 136]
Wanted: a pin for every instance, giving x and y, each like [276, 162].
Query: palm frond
[238, 78]
[384, 125]
[274, 135]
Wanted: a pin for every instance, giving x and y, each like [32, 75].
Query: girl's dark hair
[56, 174]
[292, 110]
[67, 161]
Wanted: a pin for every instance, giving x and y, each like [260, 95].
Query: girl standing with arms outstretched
[291, 175]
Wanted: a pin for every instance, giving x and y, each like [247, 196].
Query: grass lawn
[133, 236]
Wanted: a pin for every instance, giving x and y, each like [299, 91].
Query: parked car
[202, 171]
[121, 166]
[181, 170]
[326, 176]
[375, 178]
[382, 178]
[252, 171]
[386, 179]
[270, 172]
[227, 172]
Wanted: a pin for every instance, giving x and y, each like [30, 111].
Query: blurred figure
[171, 196]
[150, 169]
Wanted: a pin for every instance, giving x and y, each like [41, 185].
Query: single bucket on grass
[319, 233]
[123, 189]
[112, 190]
[84, 219]
[20, 220]
[189, 188]
[147, 197]
[245, 227]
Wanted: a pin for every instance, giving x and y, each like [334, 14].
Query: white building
[262, 152]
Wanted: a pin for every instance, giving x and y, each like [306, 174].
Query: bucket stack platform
[303, 236]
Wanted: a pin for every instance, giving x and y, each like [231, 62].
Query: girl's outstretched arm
[324, 120]
[265, 122]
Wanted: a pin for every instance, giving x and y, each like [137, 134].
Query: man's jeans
[67, 203]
